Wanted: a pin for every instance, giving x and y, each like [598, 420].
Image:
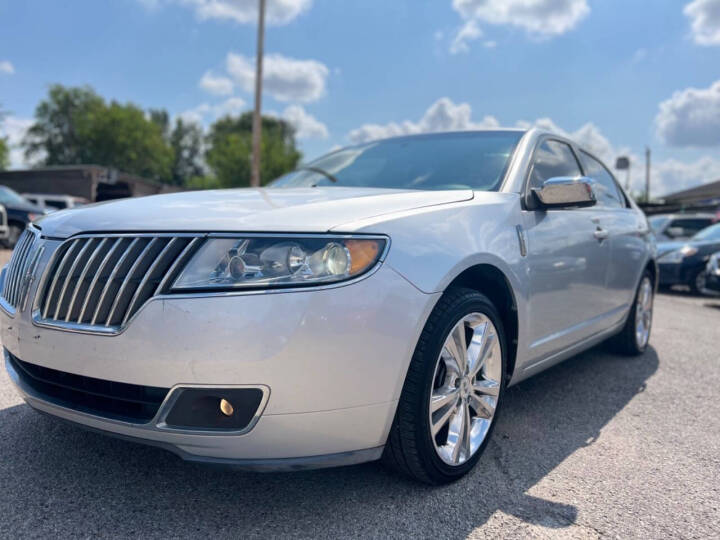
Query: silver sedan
[375, 303]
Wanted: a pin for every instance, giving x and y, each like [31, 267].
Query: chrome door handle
[600, 234]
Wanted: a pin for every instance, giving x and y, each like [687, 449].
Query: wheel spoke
[483, 409]
[486, 350]
[441, 397]
[487, 387]
[438, 424]
[467, 426]
[456, 432]
[455, 344]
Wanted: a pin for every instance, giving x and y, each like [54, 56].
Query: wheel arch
[489, 280]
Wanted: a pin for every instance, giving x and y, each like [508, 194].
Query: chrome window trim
[86, 328]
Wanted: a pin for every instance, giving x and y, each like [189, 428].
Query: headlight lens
[264, 262]
[678, 255]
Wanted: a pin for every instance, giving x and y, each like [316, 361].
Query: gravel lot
[597, 446]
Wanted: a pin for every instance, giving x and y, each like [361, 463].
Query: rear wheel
[14, 232]
[698, 284]
[635, 335]
[452, 392]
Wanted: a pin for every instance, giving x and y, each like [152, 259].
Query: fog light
[226, 408]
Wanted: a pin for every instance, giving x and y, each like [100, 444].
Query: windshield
[709, 233]
[8, 196]
[473, 160]
[657, 223]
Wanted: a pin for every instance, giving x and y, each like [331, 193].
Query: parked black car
[684, 263]
[676, 227]
[713, 273]
[20, 212]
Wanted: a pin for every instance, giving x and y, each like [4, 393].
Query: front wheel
[452, 392]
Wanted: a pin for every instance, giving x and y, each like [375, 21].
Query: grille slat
[111, 278]
[68, 277]
[128, 278]
[15, 286]
[153, 267]
[94, 283]
[83, 276]
[125, 271]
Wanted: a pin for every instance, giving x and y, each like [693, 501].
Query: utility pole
[257, 118]
[647, 174]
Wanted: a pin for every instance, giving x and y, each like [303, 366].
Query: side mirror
[564, 191]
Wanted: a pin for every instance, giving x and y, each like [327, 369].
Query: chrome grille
[100, 282]
[16, 283]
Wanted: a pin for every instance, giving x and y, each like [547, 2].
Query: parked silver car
[375, 303]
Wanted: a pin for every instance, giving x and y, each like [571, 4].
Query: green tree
[4, 154]
[62, 126]
[230, 149]
[186, 140]
[75, 125]
[4, 146]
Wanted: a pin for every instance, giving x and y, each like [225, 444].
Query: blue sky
[617, 75]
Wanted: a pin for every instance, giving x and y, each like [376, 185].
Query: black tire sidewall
[468, 303]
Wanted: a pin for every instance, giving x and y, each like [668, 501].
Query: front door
[568, 256]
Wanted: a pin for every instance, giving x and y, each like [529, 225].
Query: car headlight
[266, 262]
[678, 255]
[713, 266]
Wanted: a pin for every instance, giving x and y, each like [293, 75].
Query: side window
[552, 159]
[690, 226]
[606, 190]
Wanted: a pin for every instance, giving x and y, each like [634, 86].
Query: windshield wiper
[318, 170]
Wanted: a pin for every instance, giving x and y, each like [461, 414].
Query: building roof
[704, 192]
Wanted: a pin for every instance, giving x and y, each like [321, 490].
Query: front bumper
[333, 361]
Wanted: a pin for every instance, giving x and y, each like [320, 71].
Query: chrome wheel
[643, 312]
[466, 387]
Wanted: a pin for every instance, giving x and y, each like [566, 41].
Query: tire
[14, 232]
[411, 448]
[698, 283]
[628, 341]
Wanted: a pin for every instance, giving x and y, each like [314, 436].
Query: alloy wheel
[466, 388]
[643, 312]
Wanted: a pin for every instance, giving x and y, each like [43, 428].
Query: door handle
[600, 234]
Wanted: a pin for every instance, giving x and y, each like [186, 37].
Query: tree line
[75, 125]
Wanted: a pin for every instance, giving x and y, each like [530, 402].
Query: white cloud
[541, 18]
[691, 117]
[233, 106]
[667, 176]
[215, 84]
[470, 31]
[285, 79]
[306, 125]
[6, 67]
[443, 115]
[241, 11]
[205, 112]
[704, 18]
[672, 175]
[14, 128]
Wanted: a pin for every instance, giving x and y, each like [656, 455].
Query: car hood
[251, 210]
[703, 246]
[667, 247]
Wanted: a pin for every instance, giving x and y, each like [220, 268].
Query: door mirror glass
[565, 191]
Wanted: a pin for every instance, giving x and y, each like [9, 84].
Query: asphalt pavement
[600, 445]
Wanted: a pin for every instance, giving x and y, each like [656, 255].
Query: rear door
[567, 261]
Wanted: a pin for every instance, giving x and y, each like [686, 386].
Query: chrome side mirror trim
[565, 191]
